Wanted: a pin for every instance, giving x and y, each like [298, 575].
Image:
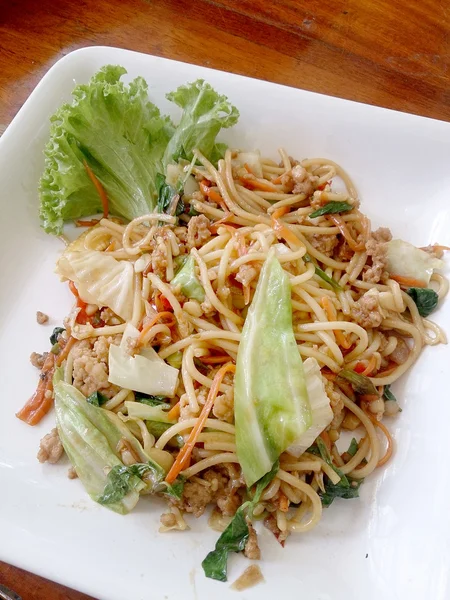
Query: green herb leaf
[56, 332]
[97, 399]
[425, 299]
[233, 539]
[151, 400]
[360, 383]
[344, 482]
[166, 195]
[120, 481]
[321, 273]
[331, 208]
[175, 359]
[353, 448]
[157, 428]
[174, 490]
[338, 491]
[388, 395]
[235, 536]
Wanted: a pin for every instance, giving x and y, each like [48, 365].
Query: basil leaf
[120, 481]
[235, 536]
[331, 208]
[425, 299]
[388, 395]
[264, 482]
[344, 482]
[360, 383]
[97, 399]
[334, 284]
[151, 400]
[166, 194]
[337, 491]
[233, 539]
[55, 334]
[353, 448]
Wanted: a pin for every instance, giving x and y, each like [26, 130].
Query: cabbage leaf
[406, 260]
[321, 411]
[145, 372]
[271, 404]
[100, 279]
[188, 281]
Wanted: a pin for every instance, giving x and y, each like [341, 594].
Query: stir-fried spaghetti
[350, 313]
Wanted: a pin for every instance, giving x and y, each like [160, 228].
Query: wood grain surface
[383, 52]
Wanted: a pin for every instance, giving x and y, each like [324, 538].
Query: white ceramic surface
[392, 543]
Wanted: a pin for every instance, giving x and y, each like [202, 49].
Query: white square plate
[394, 541]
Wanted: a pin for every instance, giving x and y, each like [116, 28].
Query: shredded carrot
[40, 402]
[283, 502]
[329, 375]
[389, 369]
[204, 186]
[360, 367]
[326, 440]
[280, 229]
[90, 223]
[161, 315]
[186, 451]
[257, 184]
[73, 288]
[408, 281]
[111, 246]
[215, 360]
[100, 189]
[339, 222]
[217, 198]
[331, 314]
[278, 179]
[369, 397]
[390, 441]
[223, 222]
[371, 365]
[174, 412]
[65, 351]
[162, 304]
[248, 169]
[436, 248]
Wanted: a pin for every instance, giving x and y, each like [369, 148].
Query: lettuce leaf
[271, 404]
[205, 113]
[119, 134]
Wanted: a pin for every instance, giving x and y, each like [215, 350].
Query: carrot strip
[278, 179]
[65, 351]
[186, 451]
[371, 365]
[111, 246]
[408, 281]
[100, 189]
[73, 288]
[355, 246]
[369, 397]
[280, 229]
[257, 184]
[360, 367]
[90, 223]
[204, 186]
[326, 440]
[161, 315]
[217, 198]
[174, 412]
[40, 402]
[215, 360]
[389, 369]
[162, 304]
[331, 314]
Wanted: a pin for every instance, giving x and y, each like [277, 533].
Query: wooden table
[391, 54]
